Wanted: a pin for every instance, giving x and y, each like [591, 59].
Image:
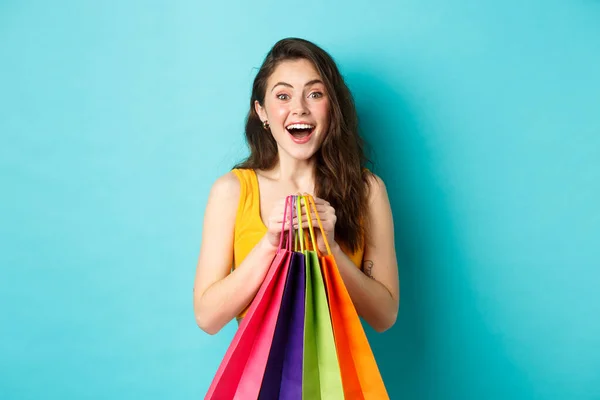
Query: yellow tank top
[249, 227]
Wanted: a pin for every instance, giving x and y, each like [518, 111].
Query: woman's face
[297, 108]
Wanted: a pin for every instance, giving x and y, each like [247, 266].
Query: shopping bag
[283, 373]
[360, 375]
[241, 371]
[321, 370]
[291, 379]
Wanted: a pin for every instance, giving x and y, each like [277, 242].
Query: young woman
[303, 137]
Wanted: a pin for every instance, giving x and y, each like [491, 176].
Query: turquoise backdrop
[484, 121]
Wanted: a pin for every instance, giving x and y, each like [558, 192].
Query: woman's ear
[260, 111]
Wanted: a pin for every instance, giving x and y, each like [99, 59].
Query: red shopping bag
[241, 371]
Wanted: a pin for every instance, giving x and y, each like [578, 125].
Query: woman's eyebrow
[290, 86]
[281, 83]
[313, 82]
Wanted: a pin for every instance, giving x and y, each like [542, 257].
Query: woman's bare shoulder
[225, 189]
[376, 186]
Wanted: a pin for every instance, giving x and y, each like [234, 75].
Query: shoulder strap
[241, 175]
[249, 195]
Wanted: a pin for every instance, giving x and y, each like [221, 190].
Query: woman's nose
[299, 106]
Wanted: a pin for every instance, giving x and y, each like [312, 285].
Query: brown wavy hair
[341, 176]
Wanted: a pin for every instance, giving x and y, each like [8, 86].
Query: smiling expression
[296, 106]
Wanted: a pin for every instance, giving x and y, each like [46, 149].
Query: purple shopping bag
[283, 374]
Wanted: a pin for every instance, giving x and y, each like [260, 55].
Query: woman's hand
[328, 220]
[274, 223]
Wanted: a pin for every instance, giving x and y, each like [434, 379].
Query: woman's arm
[219, 294]
[374, 291]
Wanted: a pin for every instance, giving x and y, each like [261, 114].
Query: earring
[266, 124]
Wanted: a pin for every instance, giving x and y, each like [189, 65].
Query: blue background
[483, 119]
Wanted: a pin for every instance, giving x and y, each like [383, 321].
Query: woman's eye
[316, 95]
[283, 96]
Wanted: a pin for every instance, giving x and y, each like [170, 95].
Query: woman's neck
[299, 173]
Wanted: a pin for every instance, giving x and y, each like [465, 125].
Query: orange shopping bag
[360, 375]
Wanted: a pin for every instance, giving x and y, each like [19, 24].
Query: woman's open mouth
[300, 133]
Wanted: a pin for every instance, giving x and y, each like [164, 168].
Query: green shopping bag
[321, 377]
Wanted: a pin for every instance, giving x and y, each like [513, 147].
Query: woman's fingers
[319, 201]
[321, 210]
[327, 225]
[313, 220]
[325, 218]
[278, 222]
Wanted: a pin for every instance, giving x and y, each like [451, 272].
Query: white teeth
[300, 126]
